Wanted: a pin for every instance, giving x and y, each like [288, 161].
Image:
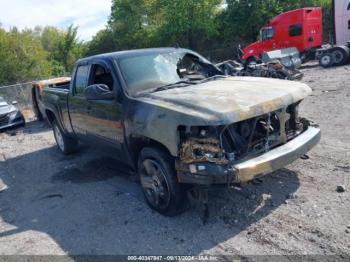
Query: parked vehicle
[338, 53]
[10, 116]
[174, 118]
[301, 28]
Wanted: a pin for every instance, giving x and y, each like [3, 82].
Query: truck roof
[291, 14]
[129, 53]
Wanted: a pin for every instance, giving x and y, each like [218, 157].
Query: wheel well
[35, 102]
[50, 116]
[137, 144]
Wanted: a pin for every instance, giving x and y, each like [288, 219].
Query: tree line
[211, 27]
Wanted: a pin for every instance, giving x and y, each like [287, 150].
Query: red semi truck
[301, 28]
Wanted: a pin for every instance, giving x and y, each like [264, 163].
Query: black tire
[340, 55]
[158, 181]
[65, 144]
[326, 60]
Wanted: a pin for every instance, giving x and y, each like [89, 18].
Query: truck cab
[301, 28]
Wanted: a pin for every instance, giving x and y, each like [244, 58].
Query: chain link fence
[22, 94]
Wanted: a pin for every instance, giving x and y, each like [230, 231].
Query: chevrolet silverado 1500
[171, 115]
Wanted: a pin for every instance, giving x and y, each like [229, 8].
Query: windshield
[146, 72]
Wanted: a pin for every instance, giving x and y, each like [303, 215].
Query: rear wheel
[326, 60]
[66, 144]
[340, 55]
[161, 189]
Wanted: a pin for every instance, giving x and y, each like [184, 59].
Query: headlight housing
[14, 114]
[201, 144]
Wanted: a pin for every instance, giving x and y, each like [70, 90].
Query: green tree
[63, 48]
[188, 22]
[22, 57]
[102, 42]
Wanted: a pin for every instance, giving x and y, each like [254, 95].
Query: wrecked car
[172, 116]
[10, 115]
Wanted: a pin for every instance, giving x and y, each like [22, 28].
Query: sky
[90, 15]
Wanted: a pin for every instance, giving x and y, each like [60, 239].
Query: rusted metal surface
[52, 82]
[202, 150]
[220, 102]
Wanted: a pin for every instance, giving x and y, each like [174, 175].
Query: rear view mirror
[98, 92]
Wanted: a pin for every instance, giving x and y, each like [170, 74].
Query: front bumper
[244, 171]
[18, 121]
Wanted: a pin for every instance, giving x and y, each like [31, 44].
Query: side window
[267, 33]
[81, 79]
[295, 30]
[100, 75]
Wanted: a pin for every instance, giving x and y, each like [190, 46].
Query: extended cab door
[105, 117]
[97, 121]
[77, 103]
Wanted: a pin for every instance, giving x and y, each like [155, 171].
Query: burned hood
[228, 100]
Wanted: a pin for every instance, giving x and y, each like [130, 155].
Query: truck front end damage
[241, 151]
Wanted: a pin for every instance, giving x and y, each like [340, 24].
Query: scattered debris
[292, 196]
[304, 157]
[271, 69]
[341, 189]
[50, 196]
[3, 186]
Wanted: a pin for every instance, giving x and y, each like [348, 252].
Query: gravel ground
[89, 204]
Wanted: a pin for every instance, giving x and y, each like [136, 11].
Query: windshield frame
[126, 88]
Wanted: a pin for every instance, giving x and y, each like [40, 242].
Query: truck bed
[61, 83]
[55, 100]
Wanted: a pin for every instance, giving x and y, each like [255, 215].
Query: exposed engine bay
[242, 140]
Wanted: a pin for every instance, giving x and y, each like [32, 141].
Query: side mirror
[14, 103]
[98, 92]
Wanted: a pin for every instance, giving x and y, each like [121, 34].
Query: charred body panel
[219, 103]
[208, 128]
[245, 149]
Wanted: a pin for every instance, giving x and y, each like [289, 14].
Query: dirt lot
[89, 204]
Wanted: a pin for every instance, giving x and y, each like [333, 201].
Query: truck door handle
[88, 110]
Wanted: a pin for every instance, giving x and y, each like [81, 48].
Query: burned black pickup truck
[179, 122]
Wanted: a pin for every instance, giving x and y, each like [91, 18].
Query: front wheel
[161, 189]
[66, 144]
[326, 60]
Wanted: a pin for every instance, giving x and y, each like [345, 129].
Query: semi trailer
[339, 52]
